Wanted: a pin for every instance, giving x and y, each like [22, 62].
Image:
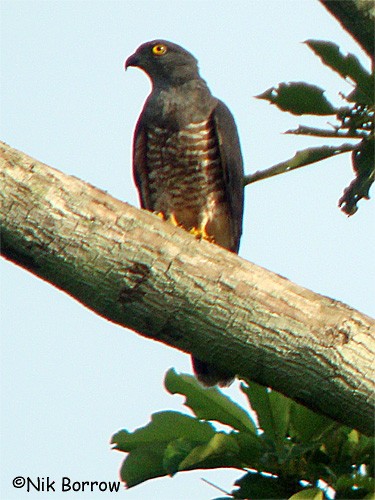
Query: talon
[160, 215]
[172, 219]
[201, 234]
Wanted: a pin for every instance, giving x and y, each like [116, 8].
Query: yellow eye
[159, 49]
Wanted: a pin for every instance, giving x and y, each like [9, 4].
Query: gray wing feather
[232, 164]
[140, 170]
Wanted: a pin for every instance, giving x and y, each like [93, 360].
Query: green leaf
[251, 449]
[142, 464]
[315, 154]
[356, 133]
[299, 98]
[308, 494]
[354, 486]
[260, 486]
[364, 167]
[364, 451]
[221, 451]
[300, 159]
[356, 448]
[209, 404]
[307, 425]
[272, 408]
[158, 448]
[350, 445]
[163, 428]
[347, 66]
[175, 453]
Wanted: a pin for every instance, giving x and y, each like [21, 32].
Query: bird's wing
[232, 165]
[140, 170]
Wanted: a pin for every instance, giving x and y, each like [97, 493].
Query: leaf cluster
[283, 449]
[354, 120]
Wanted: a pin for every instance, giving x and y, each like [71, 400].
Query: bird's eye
[159, 49]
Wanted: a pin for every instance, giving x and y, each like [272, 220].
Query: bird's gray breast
[185, 174]
[175, 108]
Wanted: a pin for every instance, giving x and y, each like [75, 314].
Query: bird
[187, 161]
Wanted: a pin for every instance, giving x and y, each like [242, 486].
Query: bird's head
[164, 62]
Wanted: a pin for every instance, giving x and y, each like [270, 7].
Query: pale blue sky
[70, 379]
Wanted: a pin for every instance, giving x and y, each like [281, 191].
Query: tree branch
[142, 273]
[300, 159]
[357, 18]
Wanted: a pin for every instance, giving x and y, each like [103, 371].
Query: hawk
[187, 161]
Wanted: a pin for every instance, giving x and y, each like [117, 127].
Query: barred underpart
[185, 173]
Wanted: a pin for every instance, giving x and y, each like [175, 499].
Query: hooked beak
[132, 60]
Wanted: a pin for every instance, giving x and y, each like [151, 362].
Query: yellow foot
[160, 215]
[200, 234]
[170, 218]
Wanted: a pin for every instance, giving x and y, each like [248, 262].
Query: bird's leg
[172, 219]
[161, 215]
[169, 218]
[200, 232]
